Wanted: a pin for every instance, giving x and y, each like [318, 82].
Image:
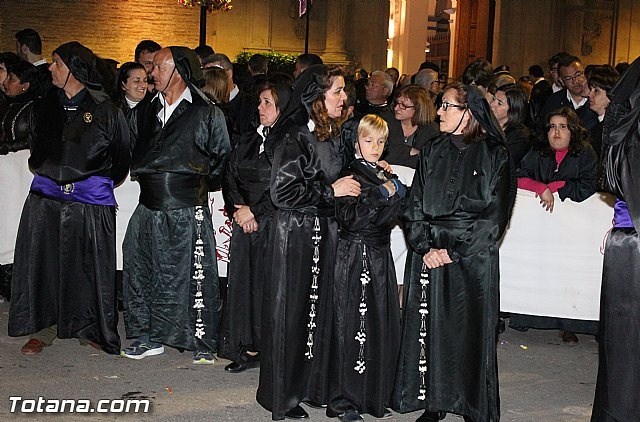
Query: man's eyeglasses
[402, 106]
[561, 126]
[445, 106]
[372, 85]
[574, 78]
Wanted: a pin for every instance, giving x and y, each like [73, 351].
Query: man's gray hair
[387, 81]
[426, 77]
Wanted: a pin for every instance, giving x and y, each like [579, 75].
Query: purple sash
[96, 190]
[621, 217]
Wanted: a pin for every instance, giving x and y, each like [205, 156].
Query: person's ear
[25, 86]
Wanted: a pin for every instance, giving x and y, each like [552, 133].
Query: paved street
[541, 379]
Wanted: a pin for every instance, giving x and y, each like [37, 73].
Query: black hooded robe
[617, 396]
[461, 199]
[247, 182]
[65, 259]
[170, 274]
[363, 380]
[459, 202]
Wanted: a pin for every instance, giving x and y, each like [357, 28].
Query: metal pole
[306, 35]
[490, 29]
[203, 25]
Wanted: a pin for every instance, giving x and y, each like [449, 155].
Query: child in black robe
[366, 327]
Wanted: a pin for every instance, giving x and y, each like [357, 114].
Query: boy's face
[371, 146]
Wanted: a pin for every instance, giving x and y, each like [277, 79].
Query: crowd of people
[313, 169]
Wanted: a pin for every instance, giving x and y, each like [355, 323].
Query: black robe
[247, 182]
[618, 382]
[460, 201]
[362, 380]
[293, 364]
[65, 258]
[170, 274]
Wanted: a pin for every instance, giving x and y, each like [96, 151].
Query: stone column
[336, 23]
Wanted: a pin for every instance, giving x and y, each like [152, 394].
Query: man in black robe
[65, 258]
[170, 274]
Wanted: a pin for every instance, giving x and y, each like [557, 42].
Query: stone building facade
[342, 31]
[372, 34]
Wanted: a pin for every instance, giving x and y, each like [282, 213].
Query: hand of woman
[346, 186]
[385, 166]
[250, 226]
[436, 258]
[546, 199]
[242, 215]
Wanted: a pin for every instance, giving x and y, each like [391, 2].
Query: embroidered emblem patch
[68, 188]
[88, 117]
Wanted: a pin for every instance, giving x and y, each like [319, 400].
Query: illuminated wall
[342, 31]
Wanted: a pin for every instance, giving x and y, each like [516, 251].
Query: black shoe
[431, 416]
[351, 416]
[235, 367]
[296, 413]
[314, 404]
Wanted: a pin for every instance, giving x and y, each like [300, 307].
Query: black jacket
[578, 170]
[588, 118]
[68, 147]
[518, 142]
[194, 141]
[399, 149]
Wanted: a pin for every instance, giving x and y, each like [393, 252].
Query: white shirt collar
[601, 118]
[259, 130]
[39, 62]
[576, 105]
[167, 109]
[234, 92]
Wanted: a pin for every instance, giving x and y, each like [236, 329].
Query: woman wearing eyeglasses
[415, 112]
[458, 210]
